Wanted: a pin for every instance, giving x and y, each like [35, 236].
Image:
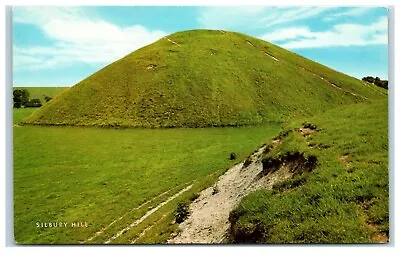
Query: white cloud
[77, 38]
[339, 35]
[349, 12]
[290, 14]
[288, 33]
[255, 16]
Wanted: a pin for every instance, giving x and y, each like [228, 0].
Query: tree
[17, 104]
[377, 81]
[47, 98]
[369, 79]
[385, 84]
[20, 97]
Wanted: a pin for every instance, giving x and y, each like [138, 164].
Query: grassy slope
[96, 175]
[41, 92]
[344, 200]
[211, 79]
[21, 113]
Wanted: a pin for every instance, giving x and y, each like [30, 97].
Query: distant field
[93, 175]
[35, 92]
[41, 92]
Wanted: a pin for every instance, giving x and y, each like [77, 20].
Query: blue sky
[59, 46]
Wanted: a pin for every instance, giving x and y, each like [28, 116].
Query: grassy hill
[345, 199]
[203, 78]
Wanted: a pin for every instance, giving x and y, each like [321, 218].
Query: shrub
[35, 102]
[377, 81]
[369, 79]
[47, 98]
[181, 213]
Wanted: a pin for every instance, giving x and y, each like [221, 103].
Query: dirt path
[208, 221]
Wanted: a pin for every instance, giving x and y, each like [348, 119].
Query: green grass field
[96, 175]
[344, 200]
[21, 113]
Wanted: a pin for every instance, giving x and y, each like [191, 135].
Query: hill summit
[201, 78]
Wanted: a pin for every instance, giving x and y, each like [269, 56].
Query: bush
[35, 102]
[47, 98]
[377, 81]
[369, 79]
[181, 213]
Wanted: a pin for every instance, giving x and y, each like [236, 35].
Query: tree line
[377, 81]
[21, 98]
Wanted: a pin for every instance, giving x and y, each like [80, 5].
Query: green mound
[203, 78]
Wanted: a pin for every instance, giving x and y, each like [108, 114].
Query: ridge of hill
[201, 78]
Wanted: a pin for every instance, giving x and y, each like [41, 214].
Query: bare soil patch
[208, 221]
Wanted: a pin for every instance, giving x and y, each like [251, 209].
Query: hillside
[344, 198]
[203, 78]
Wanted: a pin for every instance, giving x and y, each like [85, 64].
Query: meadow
[96, 176]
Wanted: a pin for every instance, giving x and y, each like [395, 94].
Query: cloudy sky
[59, 46]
